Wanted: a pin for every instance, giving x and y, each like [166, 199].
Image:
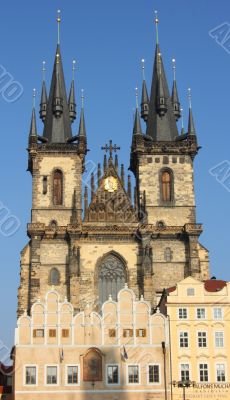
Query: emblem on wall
[92, 366]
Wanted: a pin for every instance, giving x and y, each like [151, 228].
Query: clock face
[110, 184]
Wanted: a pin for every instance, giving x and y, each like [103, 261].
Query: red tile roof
[214, 285]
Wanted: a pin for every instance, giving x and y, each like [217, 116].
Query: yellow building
[200, 338]
[121, 353]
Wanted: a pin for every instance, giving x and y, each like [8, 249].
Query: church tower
[88, 242]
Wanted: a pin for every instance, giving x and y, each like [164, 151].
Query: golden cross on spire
[111, 148]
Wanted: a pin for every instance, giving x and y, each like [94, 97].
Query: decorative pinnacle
[58, 22]
[190, 97]
[34, 97]
[43, 70]
[136, 91]
[143, 68]
[73, 68]
[82, 98]
[156, 23]
[182, 118]
[174, 68]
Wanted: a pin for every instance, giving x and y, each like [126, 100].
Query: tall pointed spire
[33, 125]
[137, 121]
[82, 128]
[72, 101]
[175, 96]
[43, 102]
[57, 127]
[191, 125]
[161, 125]
[145, 96]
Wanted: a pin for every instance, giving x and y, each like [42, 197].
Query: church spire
[43, 102]
[82, 128]
[33, 125]
[72, 101]
[137, 130]
[191, 125]
[161, 125]
[175, 96]
[145, 96]
[57, 127]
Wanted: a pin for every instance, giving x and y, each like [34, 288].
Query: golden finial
[190, 97]
[57, 58]
[136, 91]
[82, 98]
[58, 22]
[174, 68]
[156, 23]
[34, 97]
[43, 70]
[143, 68]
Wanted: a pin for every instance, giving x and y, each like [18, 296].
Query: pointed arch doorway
[112, 276]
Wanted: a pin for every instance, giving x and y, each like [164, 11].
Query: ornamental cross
[111, 148]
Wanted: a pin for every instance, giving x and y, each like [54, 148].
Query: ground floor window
[154, 374]
[31, 375]
[72, 375]
[112, 374]
[133, 374]
[220, 373]
[51, 375]
[203, 369]
[184, 372]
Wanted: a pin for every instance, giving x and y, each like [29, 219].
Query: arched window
[57, 188]
[112, 278]
[54, 278]
[168, 254]
[166, 182]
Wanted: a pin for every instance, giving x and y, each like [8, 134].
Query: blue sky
[108, 40]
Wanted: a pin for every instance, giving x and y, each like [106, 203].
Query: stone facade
[124, 335]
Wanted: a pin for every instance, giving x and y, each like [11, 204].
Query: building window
[220, 373]
[190, 292]
[166, 181]
[154, 374]
[128, 333]
[112, 332]
[112, 278]
[54, 277]
[217, 313]
[183, 339]
[44, 184]
[184, 372]
[51, 375]
[183, 313]
[141, 332]
[203, 369]
[65, 333]
[133, 374]
[72, 375]
[57, 188]
[38, 333]
[200, 313]
[168, 254]
[52, 333]
[112, 374]
[219, 339]
[202, 339]
[31, 376]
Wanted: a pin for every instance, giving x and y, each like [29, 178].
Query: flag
[124, 354]
[61, 355]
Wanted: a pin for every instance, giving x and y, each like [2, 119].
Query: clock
[110, 184]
